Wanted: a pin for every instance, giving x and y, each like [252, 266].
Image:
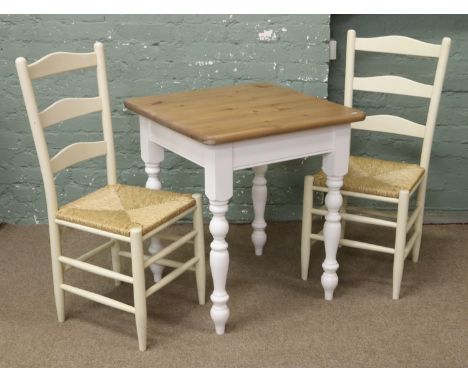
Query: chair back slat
[398, 85]
[392, 85]
[397, 45]
[60, 62]
[75, 153]
[64, 109]
[68, 108]
[391, 124]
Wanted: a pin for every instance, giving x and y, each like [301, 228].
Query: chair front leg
[199, 248]
[139, 290]
[307, 205]
[418, 225]
[400, 242]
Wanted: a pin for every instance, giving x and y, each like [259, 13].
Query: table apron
[281, 148]
[248, 153]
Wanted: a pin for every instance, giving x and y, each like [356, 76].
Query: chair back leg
[139, 290]
[115, 249]
[400, 242]
[199, 248]
[343, 221]
[57, 270]
[308, 200]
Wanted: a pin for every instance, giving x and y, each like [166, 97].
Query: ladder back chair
[382, 180]
[120, 213]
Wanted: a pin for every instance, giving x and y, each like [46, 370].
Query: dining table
[250, 125]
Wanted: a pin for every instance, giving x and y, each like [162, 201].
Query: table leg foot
[219, 263]
[219, 314]
[329, 280]
[259, 198]
[332, 233]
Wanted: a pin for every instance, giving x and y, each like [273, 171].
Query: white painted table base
[219, 163]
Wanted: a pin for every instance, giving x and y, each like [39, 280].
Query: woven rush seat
[377, 177]
[117, 208]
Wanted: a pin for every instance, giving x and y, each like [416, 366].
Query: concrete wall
[148, 54]
[448, 173]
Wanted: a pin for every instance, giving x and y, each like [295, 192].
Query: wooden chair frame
[387, 124]
[69, 108]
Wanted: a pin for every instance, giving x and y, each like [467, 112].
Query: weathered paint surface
[150, 54]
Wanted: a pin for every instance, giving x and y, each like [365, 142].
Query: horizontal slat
[92, 253]
[391, 124]
[368, 220]
[69, 108]
[98, 298]
[162, 227]
[163, 236]
[357, 244]
[369, 211]
[164, 262]
[77, 152]
[173, 264]
[125, 254]
[92, 230]
[171, 276]
[95, 269]
[367, 246]
[360, 195]
[397, 45]
[60, 62]
[392, 85]
[170, 248]
[358, 218]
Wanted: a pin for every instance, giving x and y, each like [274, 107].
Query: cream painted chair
[117, 212]
[380, 180]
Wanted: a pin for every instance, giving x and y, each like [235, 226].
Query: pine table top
[235, 113]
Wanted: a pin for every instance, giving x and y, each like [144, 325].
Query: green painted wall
[151, 55]
[157, 54]
[448, 173]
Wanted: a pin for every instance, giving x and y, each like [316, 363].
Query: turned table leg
[259, 198]
[335, 166]
[218, 189]
[332, 234]
[219, 263]
[152, 154]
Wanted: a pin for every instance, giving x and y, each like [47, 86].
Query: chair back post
[435, 102]
[106, 113]
[38, 137]
[349, 75]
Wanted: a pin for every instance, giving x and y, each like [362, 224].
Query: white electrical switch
[332, 46]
